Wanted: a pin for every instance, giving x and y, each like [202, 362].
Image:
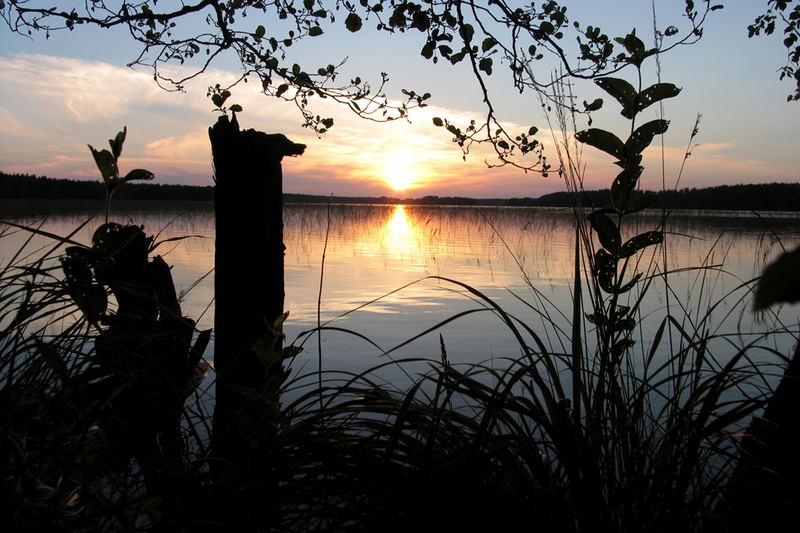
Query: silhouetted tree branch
[780, 10]
[492, 35]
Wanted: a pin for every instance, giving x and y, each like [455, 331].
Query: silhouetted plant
[107, 163]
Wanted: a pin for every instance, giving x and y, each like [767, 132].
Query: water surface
[387, 270]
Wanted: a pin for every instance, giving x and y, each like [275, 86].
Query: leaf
[117, 142]
[488, 44]
[779, 282]
[466, 31]
[105, 163]
[457, 57]
[634, 46]
[138, 174]
[236, 108]
[427, 50]
[219, 98]
[594, 106]
[485, 65]
[260, 32]
[438, 122]
[621, 90]
[282, 88]
[639, 242]
[643, 136]
[315, 31]
[622, 187]
[420, 21]
[651, 95]
[643, 202]
[628, 286]
[606, 230]
[353, 22]
[603, 140]
[90, 297]
[605, 269]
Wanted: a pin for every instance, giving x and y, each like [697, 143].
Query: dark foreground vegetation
[751, 197]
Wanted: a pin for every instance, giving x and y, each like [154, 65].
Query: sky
[59, 94]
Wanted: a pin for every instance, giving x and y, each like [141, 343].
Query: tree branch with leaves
[492, 36]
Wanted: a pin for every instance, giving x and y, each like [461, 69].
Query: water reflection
[374, 250]
[398, 233]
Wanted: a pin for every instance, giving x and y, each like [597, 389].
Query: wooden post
[248, 279]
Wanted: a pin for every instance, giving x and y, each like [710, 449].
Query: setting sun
[399, 172]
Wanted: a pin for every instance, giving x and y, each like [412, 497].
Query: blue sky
[74, 89]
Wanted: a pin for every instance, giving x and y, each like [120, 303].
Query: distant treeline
[754, 197]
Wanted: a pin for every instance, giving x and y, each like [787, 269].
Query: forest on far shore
[749, 197]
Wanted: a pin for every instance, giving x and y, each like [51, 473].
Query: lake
[386, 273]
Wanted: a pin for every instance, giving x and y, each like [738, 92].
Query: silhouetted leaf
[606, 231]
[353, 22]
[456, 58]
[488, 44]
[643, 136]
[315, 31]
[643, 202]
[594, 106]
[621, 90]
[623, 185]
[138, 174]
[105, 163]
[260, 32]
[605, 270]
[282, 88]
[649, 96]
[780, 281]
[603, 140]
[117, 142]
[438, 122]
[236, 108]
[420, 21]
[628, 286]
[620, 346]
[427, 50]
[485, 65]
[643, 240]
[466, 31]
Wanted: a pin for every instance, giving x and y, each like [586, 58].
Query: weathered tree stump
[248, 283]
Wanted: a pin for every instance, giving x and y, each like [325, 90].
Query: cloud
[61, 104]
[190, 147]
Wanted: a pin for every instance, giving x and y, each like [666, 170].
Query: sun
[399, 171]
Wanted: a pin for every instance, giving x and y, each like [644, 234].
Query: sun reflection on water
[399, 236]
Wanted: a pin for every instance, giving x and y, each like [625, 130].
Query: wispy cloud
[54, 106]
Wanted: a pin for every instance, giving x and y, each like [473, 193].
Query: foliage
[786, 12]
[107, 163]
[486, 37]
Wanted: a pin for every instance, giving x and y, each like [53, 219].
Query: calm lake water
[384, 270]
